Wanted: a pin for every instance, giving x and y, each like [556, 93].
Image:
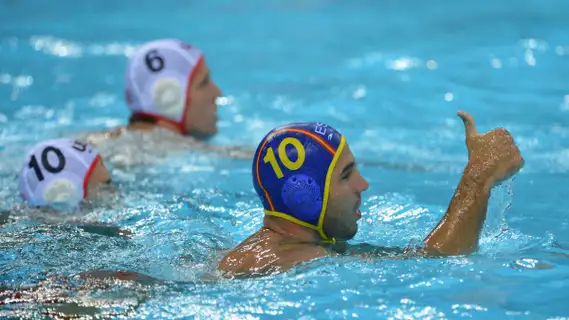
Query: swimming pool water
[388, 74]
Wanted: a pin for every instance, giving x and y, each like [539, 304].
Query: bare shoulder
[265, 253]
[291, 255]
[245, 256]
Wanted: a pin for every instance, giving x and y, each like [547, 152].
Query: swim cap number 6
[153, 61]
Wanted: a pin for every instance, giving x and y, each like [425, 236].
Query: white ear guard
[61, 190]
[168, 97]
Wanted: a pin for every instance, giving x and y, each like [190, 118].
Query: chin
[353, 230]
[349, 235]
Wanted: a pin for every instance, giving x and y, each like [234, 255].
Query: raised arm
[492, 158]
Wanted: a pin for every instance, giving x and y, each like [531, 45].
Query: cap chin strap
[319, 228]
[89, 174]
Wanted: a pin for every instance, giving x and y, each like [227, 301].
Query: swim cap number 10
[296, 186]
[283, 156]
[33, 164]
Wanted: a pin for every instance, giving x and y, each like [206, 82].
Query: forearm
[459, 230]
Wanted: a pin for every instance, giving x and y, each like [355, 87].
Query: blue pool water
[388, 74]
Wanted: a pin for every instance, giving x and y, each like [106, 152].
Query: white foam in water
[496, 235]
[499, 203]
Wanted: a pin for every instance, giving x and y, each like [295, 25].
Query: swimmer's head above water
[305, 173]
[168, 85]
[61, 171]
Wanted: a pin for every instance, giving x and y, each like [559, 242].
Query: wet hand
[492, 156]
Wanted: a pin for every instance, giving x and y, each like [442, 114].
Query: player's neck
[145, 126]
[289, 229]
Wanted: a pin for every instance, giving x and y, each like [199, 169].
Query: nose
[217, 92]
[363, 185]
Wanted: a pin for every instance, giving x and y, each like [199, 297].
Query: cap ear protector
[168, 97]
[158, 79]
[57, 171]
[292, 168]
[62, 190]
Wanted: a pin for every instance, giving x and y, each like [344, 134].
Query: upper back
[267, 252]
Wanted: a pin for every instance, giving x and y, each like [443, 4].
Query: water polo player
[307, 180]
[61, 171]
[67, 175]
[168, 86]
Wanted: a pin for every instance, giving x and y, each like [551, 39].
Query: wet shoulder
[254, 254]
[267, 252]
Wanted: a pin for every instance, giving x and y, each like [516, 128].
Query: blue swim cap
[292, 168]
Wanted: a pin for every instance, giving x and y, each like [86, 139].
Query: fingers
[518, 156]
[469, 125]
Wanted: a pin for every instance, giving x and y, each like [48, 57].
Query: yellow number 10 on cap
[291, 165]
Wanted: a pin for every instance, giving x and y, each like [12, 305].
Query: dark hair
[141, 118]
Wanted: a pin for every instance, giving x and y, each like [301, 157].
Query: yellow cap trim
[299, 222]
[320, 227]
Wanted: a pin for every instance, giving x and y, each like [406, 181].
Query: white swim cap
[158, 77]
[57, 171]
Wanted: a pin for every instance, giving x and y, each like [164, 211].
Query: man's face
[346, 187]
[201, 117]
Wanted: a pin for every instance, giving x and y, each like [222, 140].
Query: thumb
[469, 125]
